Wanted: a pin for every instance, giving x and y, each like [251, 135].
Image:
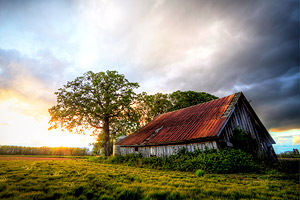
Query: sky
[219, 47]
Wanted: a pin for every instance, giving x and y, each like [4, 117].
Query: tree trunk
[106, 144]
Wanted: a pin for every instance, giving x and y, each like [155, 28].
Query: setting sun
[25, 126]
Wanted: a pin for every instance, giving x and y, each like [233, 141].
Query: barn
[204, 126]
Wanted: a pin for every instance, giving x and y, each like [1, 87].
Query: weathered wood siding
[116, 148]
[241, 117]
[166, 150]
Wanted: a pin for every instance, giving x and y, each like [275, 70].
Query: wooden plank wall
[241, 118]
[167, 150]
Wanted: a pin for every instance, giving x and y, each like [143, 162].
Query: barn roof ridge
[197, 104]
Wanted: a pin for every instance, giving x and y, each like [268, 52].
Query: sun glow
[19, 126]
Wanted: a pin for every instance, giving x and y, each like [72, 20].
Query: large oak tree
[98, 101]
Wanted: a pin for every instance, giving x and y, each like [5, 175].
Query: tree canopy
[189, 98]
[100, 102]
[150, 106]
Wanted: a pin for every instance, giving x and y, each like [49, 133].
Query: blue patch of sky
[284, 140]
[30, 27]
[22, 41]
[280, 148]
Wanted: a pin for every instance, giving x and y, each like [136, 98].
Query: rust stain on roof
[195, 122]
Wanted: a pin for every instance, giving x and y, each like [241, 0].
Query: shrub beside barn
[208, 125]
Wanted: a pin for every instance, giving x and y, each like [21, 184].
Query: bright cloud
[286, 140]
[296, 139]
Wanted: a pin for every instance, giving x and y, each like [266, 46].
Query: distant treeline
[54, 151]
[289, 154]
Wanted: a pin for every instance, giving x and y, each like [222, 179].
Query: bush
[286, 165]
[243, 140]
[210, 161]
[200, 172]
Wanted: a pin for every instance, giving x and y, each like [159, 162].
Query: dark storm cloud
[219, 47]
[277, 100]
[263, 62]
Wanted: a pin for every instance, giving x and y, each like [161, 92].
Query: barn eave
[197, 140]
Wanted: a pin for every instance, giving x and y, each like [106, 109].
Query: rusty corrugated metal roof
[195, 122]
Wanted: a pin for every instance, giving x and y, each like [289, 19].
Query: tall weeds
[211, 161]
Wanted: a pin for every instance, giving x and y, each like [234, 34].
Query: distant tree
[296, 152]
[150, 106]
[79, 151]
[289, 154]
[45, 150]
[185, 99]
[97, 145]
[101, 102]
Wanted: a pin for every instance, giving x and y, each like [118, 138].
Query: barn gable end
[243, 116]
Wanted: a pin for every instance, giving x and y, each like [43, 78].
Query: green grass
[81, 179]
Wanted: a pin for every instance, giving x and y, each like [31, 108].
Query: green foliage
[98, 145]
[285, 165]
[130, 195]
[89, 99]
[80, 179]
[242, 140]
[166, 196]
[150, 106]
[289, 154]
[101, 102]
[211, 161]
[185, 99]
[200, 172]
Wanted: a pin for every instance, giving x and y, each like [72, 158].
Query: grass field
[81, 179]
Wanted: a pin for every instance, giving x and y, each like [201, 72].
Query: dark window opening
[136, 148]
